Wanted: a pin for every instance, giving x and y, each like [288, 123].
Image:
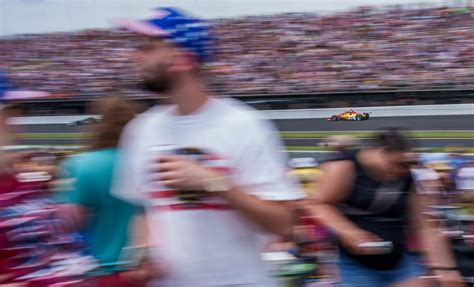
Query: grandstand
[385, 50]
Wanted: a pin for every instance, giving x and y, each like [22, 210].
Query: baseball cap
[189, 33]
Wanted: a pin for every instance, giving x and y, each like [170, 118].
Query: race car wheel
[334, 118]
[367, 116]
[358, 117]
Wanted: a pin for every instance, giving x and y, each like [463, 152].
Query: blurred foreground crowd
[389, 48]
[61, 226]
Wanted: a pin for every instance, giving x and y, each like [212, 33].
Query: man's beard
[158, 85]
[160, 82]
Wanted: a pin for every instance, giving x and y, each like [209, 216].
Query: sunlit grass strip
[436, 149]
[287, 135]
[53, 136]
[370, 134]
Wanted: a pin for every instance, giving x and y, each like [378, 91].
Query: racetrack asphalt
[461, 122]
[439, 123]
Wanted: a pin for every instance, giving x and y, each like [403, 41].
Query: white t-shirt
[206, 243]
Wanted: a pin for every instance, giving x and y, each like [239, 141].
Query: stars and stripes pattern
[188, 33]
[33, 245]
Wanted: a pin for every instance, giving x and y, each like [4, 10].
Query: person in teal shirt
[104, 220]
[66, 174]
[108, 219]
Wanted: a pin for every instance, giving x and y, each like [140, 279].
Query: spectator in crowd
[106, 222]
[449, 204]
[367, 198]
[34, 250]
[364, 49]
[209, 170]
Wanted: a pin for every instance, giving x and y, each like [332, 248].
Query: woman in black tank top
[380, 207]
[367, 199]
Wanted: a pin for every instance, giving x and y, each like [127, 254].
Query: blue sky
[39, 16]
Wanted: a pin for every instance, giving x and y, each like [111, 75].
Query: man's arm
[140, 238]
[259, 178]
[263, 184]
[272, 216]
[178, 172]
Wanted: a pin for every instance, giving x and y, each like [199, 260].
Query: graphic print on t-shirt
[192, 199]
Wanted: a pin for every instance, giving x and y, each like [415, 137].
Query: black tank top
[380, 208]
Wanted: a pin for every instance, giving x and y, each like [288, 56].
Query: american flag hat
[189, 33]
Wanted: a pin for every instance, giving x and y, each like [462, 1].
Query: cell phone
[384, 246]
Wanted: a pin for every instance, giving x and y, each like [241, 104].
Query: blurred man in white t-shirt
[209, 171]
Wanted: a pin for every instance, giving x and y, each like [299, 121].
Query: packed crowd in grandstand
[390, 48]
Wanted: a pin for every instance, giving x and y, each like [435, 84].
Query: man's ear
[183, 62]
